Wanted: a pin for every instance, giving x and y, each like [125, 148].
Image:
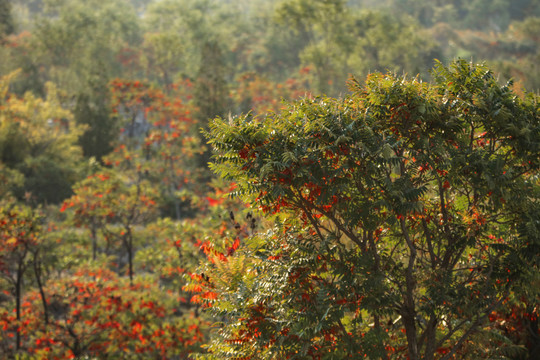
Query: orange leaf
[213, 202]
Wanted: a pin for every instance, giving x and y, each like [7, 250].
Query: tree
[96, 313]
[38, 141]
[163, 51]
[158, 139]
[104, 202]
[6, 20]
[92, 109]
[390, 43]
[192, 22]
[19, 238]
[210, 93]
[339, 39]
[494, 15]
[325, 27]
[260, 95]
[405, 214]
[80, 46]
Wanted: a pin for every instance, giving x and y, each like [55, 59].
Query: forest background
[108, 205]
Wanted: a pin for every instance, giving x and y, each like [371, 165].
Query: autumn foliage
[387, 217]
[405, 212]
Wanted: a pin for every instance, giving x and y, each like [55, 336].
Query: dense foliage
[408, 211]
[392, 219]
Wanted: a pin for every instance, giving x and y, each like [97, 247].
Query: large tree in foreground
[408, 216]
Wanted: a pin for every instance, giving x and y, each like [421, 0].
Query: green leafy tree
[487, 15]
[390, 43]
[516, 53]
[163, 52]
[192, 22]
[93, 109]
[262, 44]
[406, 214]
[19, 238]
[325, 27]
[6, 20]
[338, 39]
[80, 46]
[210, 94]
[38, 139]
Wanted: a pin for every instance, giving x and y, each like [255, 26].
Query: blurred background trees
[93, 91]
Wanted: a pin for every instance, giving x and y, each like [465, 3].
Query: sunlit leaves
[97, 313]
[38, 139]
[408, 186]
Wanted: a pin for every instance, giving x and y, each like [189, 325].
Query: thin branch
[429, 236]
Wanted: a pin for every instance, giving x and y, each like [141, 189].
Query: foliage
[324, 26]
[19, 240]
[260, 95]
[6, 20]
[476, 14]
[114, 235]
[81, 45]
[96, 313]
[158, 140]
[210, 93]
[388, 43]
[92, 109]
[405, 216]
[105, 203]
[38, 139]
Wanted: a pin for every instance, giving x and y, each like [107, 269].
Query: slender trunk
[130, 259]
[177, 209]
[18, 294]
[166, 81]
[37, 273]
[533, 334]
[172, 190]
[93, 234]
[128, 243]
[76, 348]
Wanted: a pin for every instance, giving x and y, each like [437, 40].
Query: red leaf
[136, 327]
[213, 202]
[233, 248]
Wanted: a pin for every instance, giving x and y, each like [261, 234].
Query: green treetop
[408, 213]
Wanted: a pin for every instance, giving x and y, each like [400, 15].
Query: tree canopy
[406, 212]
[392, 218]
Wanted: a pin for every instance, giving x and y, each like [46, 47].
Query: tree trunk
[18, 294]
[37, 273]
[94, 241]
